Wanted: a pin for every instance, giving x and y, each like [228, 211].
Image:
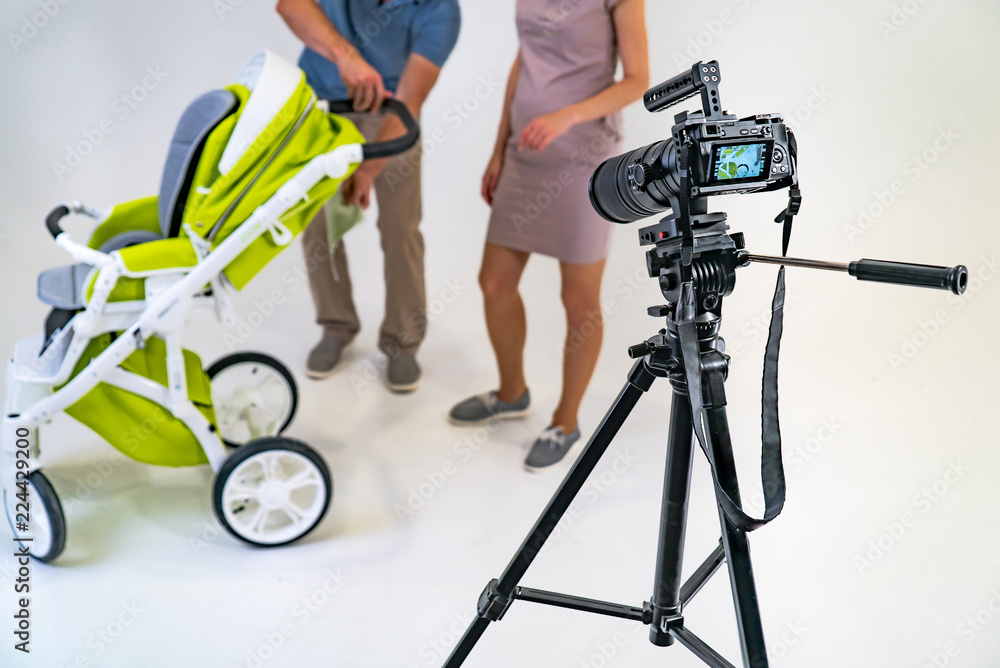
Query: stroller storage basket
[142, 429]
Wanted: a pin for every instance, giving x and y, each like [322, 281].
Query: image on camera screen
[740, 161]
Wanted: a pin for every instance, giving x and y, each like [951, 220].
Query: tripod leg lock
[665, 619]
[492, 604]
[661, 621]
[671, 622]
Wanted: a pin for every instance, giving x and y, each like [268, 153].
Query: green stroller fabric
[219, 202]
[137, 427]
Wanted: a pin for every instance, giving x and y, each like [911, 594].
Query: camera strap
[794, 197]
[684, 208]
[772, 469]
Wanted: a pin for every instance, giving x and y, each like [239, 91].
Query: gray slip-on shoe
[325, 356]
[550, 448]
[403, 373]
[485, 407]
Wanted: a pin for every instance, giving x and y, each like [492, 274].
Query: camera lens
[634, 185]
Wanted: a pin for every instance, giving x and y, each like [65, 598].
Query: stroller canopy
[234, 148]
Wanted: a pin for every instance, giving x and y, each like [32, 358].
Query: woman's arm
[492, 175]
[629, 17]
[309, 23]
[503, 135]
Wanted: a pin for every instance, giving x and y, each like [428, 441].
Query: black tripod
[695, 261]
[689, 353]
[660, 356]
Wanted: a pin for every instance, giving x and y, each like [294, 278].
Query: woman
[561, 119]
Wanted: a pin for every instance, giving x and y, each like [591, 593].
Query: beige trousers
[397, 190]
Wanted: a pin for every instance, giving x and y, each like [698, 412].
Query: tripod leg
[736, 546]
[498, 594]
[673, 520]
[472, 635]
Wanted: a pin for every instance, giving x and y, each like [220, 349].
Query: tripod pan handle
[954, 279]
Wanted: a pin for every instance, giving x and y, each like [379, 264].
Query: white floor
[868, 437]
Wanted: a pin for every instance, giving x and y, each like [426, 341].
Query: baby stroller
[247, 169]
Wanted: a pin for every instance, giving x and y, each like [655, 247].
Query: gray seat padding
[62, 287]
[197, 122]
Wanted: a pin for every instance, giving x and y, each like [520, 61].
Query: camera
[718, 153]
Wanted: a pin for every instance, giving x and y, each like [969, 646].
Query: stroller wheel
[254, 395]
[46, 522]
[272, 491]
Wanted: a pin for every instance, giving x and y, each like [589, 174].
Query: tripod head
[716, 255]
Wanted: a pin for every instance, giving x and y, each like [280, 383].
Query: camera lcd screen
[740, 162]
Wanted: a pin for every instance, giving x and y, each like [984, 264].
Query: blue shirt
[385, 35]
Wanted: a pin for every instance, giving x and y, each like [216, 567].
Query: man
[368, 50]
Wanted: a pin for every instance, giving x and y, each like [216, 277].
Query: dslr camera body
[717, 154]
[709, 153]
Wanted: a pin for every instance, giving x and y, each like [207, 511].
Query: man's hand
[415, 83]
[364, 84]
[307, 20]
[357, 189]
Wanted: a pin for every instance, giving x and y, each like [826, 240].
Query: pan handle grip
[953, 279]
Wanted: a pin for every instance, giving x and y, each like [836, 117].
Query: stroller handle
[386, 149]
[52, 220]
[79, 252]
[63, 210]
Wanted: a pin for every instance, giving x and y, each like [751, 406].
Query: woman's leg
[505, 320]
[581, 296]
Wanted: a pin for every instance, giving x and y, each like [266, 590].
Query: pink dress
[568, 54]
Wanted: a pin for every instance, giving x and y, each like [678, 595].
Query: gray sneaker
[324, 358]
[485, 407]
[550, 448]
[403, 373]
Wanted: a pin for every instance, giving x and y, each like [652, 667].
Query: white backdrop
[888, 394]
